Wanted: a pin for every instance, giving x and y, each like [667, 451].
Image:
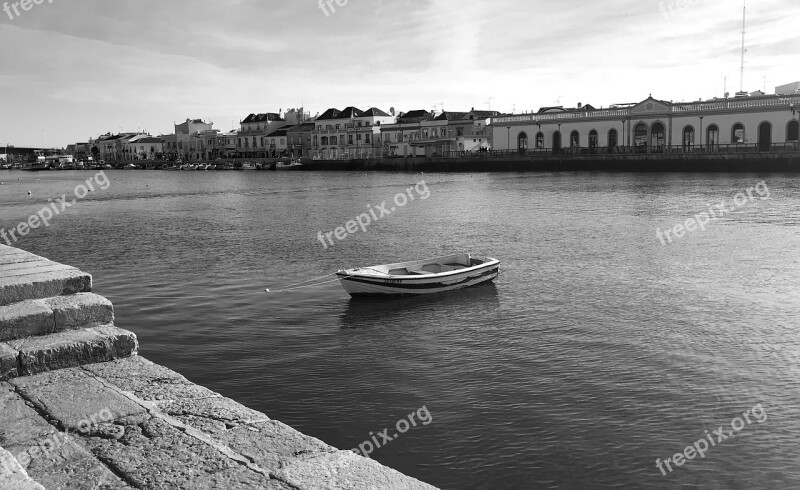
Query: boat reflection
[379, 311]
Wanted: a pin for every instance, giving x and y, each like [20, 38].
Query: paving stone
[39, 285]
[24, 319]
[221, 409]
[272, 444]
[344, 469]
[74, 348]
[64, 463]
[13, 476]
[148, 381]
[157, 455]
[8, 362]
[75, 399]
[80, 310]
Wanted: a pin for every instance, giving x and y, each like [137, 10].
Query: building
[299, 139]
[397, 137]
[453, 132]
[142, 147]
[226, 144]
[251, 140]
[743, 123]
[349, 133]
[110, 146]
[297, 116]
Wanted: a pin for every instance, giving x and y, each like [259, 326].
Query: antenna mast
[741, 70]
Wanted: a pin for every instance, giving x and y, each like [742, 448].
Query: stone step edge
[71, 348]
[43, 285]
[51, 315]
[13, 475]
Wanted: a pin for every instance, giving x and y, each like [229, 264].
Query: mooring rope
[292, 287]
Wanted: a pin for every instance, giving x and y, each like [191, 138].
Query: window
[658, 137]
[337, 126]
[366, 138]
[792, 130]
[612, 138]
[349, 139]
[640, 137]
[283, 141]
[539, 140]
[425, 133]
[324, 141]
[593, 139]
[459, 131]
[712, 136]
[574, 139]
[688, 138]
[334, 140]
[358, 137]
[522, 141]
[737, 133]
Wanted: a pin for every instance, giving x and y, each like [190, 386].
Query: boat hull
[364, 285]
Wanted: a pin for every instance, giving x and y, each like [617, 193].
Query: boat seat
[432, 268]
[399, 272]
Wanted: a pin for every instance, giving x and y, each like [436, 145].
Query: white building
[740, 124]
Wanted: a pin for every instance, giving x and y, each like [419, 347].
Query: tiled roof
[375, 112]
[451, 116]
[349, 113]
[331, 113]
[415, 116]
[267, 117]
[302, 128]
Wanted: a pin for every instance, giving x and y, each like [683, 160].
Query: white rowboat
[429, 276]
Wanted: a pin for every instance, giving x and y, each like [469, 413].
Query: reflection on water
[376, 312]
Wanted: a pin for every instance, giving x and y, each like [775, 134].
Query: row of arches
[654, 137]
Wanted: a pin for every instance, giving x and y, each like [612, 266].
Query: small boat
[201, 167]
[434, 275]
[293, 165]
[129, 166]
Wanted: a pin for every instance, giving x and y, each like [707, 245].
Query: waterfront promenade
[80, 409]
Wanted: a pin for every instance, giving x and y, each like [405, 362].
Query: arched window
[593, 140]
[657, 137]
[612, 138]
[522, 141]
[737, 133]
[315, 141]
[792, 130]
[640, 137]
[712, 137]
[334, 140]
[688, 138]
[539, 140]
[764, 136]
[574, 139]
[324, 141]
[557, 142]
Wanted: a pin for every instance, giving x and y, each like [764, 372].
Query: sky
[71, 70]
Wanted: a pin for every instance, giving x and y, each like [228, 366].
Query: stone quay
[80, 409]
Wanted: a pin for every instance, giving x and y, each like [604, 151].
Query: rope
[292, 287]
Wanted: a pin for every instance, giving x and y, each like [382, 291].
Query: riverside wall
[718, 163]
[80, 409]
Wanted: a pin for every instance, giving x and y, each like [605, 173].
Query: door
[765, 137]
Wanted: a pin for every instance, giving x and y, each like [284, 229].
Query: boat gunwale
[383, 276]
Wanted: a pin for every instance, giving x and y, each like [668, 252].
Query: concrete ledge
[25, 319]
[80, 310]
[73, 348]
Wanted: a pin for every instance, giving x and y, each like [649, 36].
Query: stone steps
[50, 319]
[25, 276]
